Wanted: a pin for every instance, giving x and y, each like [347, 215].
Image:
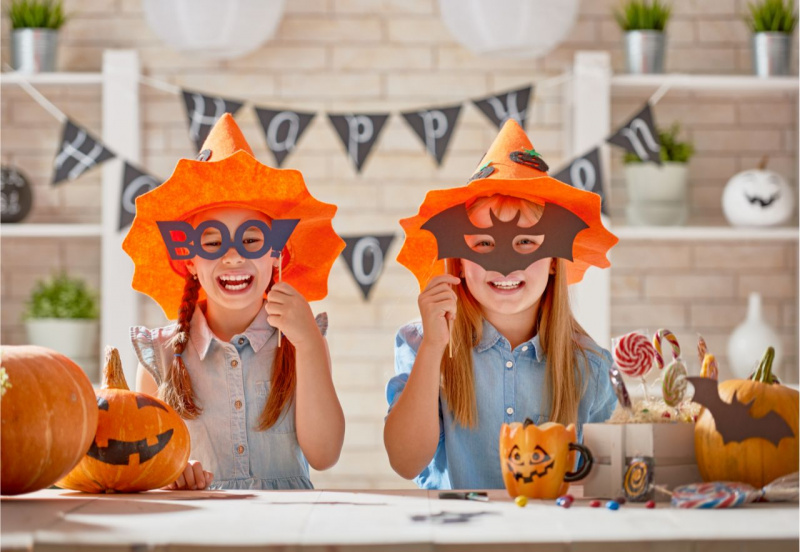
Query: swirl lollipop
[669, 337]
[702, 348]
[673, 386]
[709, 369]
[634, 354]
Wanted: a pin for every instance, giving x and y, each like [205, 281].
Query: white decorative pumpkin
[757, 197]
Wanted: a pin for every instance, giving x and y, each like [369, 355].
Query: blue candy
[612, 505]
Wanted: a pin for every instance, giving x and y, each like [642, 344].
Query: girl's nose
[232, 256]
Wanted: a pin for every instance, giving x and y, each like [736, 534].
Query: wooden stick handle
[449, 323]
[280, 278]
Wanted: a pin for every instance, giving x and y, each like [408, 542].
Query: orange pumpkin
[141, 442]
[534, 459]
[754, 460]
[49, 417]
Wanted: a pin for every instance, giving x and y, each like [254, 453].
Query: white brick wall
[396, 55]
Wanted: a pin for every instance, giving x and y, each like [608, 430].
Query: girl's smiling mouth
[506, 286]
[235, 282]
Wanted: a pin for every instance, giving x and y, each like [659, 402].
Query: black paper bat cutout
[558, 225]
[118, 453]
[762, 202]
[733, 421]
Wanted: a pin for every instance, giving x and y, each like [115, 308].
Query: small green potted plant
[657, 195]
[772, 23]
[61, 314]
[34, 38]
[644, 23]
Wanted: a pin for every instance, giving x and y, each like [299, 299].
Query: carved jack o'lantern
[141, 442]
[758, 198]
[535, 459]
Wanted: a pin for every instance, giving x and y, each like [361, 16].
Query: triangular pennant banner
[434, 127]
[79, 152]
[585, 173]
[507, 105]
[203, 111]
[639, 136]
[358, 133]
[134, 184]
[365, 258]
[282, 129]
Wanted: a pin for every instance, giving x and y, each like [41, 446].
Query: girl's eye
[480, 244]
[526, 244]
[211, 245]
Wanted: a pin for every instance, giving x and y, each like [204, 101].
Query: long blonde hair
[559, 334]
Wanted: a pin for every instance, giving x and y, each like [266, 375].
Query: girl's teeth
[506, 285]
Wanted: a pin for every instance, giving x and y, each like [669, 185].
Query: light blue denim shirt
[508, 388]
[231, 382]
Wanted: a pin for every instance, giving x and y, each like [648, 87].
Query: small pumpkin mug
[535, 459]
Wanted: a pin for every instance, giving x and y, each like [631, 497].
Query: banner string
[38, 97]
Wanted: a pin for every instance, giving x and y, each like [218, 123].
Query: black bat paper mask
[558, 226]
[733, 421]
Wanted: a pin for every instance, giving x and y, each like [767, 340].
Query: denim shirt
[231, 383]
[508, 388]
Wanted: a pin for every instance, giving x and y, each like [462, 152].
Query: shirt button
[525, 348]
[234, 363]
[509, 364]
[509, 411]
[241, 341]
[240, 449]
[238, 404]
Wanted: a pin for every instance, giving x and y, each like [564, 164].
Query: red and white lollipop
[634, 354]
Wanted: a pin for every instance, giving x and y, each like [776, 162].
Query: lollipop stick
[644, 386]
[449, 325]
[280, 278]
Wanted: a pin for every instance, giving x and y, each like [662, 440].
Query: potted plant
[62, 315]
[34, 38]
[657, 194]
[772, 23]
[645, 40]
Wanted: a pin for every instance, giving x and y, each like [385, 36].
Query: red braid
[176, 389]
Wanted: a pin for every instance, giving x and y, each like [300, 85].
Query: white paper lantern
[509, 28]
[218, 29]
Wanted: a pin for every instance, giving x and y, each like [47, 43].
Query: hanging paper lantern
[219, 30]
[512, 28]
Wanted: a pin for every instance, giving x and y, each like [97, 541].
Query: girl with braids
[497, 342]
[245, 363]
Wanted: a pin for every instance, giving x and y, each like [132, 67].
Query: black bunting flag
[79, 152]
[358, 133]
[134, 184]
[203, 111]
[585, 173]
[365, 258]
[507, 105]
[282, 129]
[434, 127]
[639, 136]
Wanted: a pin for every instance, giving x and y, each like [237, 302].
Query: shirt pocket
[285, 423]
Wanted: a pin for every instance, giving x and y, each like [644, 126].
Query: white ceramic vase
[750, 339]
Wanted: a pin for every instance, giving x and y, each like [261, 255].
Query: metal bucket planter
[34, 50]
[644, 51]
[771, 54]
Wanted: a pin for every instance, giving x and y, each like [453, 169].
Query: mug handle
[571, 477]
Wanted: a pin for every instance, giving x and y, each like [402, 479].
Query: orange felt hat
[511, 167]
[227, 174]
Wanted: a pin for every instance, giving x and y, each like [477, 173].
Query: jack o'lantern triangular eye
[144, 400]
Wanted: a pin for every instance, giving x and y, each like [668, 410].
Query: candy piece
[595, 503]
[612, 505]
[702, 348]
[620, 500]
[619, 387]
[521, 501]
[670, 338]
[569, 497]
[673, 386]
[713, 495]
[650, 504]
[634, 354]
[564, 502]
[710, 369]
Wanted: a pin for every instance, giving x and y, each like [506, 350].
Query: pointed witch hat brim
[231, 177]
[499, 174]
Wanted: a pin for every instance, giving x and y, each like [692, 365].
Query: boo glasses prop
[252, 239]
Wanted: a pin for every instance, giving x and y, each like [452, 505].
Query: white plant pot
[74, 338]
[657, 195]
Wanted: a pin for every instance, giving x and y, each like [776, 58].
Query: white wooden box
[613, 445]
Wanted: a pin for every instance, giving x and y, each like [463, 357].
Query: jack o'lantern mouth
[119, 453]
[529, 478]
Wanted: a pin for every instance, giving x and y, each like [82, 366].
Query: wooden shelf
[705, 233]
[51, 78]
[22, 230]
[720, 83]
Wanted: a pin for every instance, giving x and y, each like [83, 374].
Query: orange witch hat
[511, 167]
[226, 174]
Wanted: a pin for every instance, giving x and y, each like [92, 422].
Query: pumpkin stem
[526, 423]
[763, 163]
[113, 376]
[764, 372]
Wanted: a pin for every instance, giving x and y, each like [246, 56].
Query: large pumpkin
[534, 459]
[141, 442]
[753, 460]
[49, 417]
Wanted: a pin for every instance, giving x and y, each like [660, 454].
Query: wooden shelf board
[23, 230]
[52, 78]
[705, 233]
[729, 83]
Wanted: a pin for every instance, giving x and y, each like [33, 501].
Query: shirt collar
[490, 337]
[257, 333]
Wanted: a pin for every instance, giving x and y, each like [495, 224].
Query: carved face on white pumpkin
[757, 198]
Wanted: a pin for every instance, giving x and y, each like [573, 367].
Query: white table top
[376, 520]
